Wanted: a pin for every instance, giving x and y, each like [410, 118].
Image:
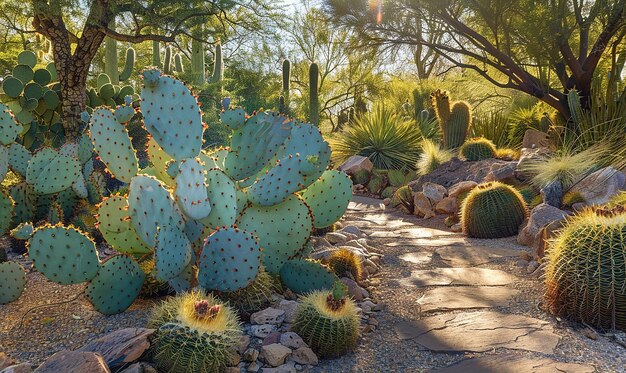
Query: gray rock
[534, 139]
[355, 164]
[262, 331]
[269, 315]
[74, 362]
[455, 171]
[250, 355]
[351, 229]
[500, 172]
[289, 367]
[532, 266]
[140, 368]
[121, 346]
[304, 356]
[292, 340]
[423, 207]
[460, 188]
[336, 238]
[254, 367]
[244, 342]
[540, 216]
[275, 354]
[434, 192]
[290, 307]
[552, 193]
[18, 368]
[6, 361]
[600, 186]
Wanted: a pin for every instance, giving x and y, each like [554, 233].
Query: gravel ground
[50, 317]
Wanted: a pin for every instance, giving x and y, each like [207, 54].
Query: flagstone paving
[455, 304]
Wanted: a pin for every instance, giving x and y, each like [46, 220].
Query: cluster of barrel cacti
[211, 218]
[454, 119]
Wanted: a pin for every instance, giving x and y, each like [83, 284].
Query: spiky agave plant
[586, 273]
[196, 333]
[328, 322]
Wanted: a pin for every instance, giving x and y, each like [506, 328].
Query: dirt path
[461, 305]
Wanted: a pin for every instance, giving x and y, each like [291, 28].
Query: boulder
[500, 172]
[354, 290]
[534, 139]
[275, 354]
[447, 206]
[336, 238]
[600, 186]
[423, 206]
[121, 346]
[269, 315]
[74, 362]
[290, 307]
[540, 216]
[460, 188]
[434, 192]
[356, 164]
[552, 194]
[304, 356]
[292, 340]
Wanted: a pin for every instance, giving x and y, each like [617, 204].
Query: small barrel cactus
[254, 297]
[195, 334]
[493, 210]
[328, 322]
[477, 149]
[345, 263]
[586, 274]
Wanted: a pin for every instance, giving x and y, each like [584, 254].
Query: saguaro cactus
[314, 102]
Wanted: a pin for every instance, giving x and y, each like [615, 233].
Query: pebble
[273, 337]
[289, 307]
[250, 355]
[532, 266]
[262, 331]
[275, 354]
[254, 367]
[244, 342]
[522, 263]
[336, 238]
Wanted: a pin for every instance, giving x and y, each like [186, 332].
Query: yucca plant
[432, 156]
[382, 136]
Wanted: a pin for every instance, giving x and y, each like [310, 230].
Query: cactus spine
[478, 149]
[314, 104]
[454, 121]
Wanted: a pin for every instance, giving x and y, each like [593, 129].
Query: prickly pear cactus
[282, 229]
[116, 285]
[113, 144]
[174, 122]
[51, 171]
[173, 252]
[116, 228]
[64, 255]
[233, 118]
[9, 129]
[304, 276]
[6, 211]
[23, 231]
[328, 197]
[19, 157]
[191, 190]
[229, 261]
[222, 192]
[12, 281]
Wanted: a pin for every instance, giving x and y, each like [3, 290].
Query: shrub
[432, 156]
[388, 141]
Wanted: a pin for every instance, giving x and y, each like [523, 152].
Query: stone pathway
[449, 302]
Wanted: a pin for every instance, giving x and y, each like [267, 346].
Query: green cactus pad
[12, 86]
[328, 197]
[42, 77]
[6, 211]
[229, 261]
[116, 285]
[24, 73]
[305, 276]
[12, 281]
[85, 150]
[279, 182]
[23, 231]
[113, 144]
[4, 161]
[102, 79]
[33, 91]
[159, 159]
[183, 281]
[27, 58]
[254, 144]
[53, 71]
[222, 193]
[9, 129]
[233, 118]
[214, 158]
[80, 187]
[173, 118]
[50, 171]
[191, 190]
[173, 252]
[64, 255]
[25, 202]
[151, 206]
[282, 229]
[116, 228]
[19, 157]
[124, 114]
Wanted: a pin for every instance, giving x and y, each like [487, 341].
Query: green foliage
[328, 325]
[524, 119]
[432, 156]
[477, 149]
[382, 136]
[571, 197]
[493, 210]
[404, 198]
[585, 275]
[195, 333]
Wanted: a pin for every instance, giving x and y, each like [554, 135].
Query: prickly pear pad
[9, 129]
[116, 228]
[222, 193]
[229, 261]
[233, 118]
[113, 144]
[4, 161]
[151, 206]
[18, 158]
[6, 211]
[159, 159]
[281, 229]
[172, 116]
[12, 281]
[306, 139]
[64, 255]
[191, 189]
[173, 252]
[214, 158]
[328, 197]
[50, 171]
[23, 231]
[305, 276]
[116, 285]
[280, 182]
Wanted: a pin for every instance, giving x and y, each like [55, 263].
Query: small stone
[262, 331]
[367, 306]
[336, 238]
[525, 256]
[422, 206]
[304, 356]
[590, 333]
[275, 354]
[272, 338]
[354, 290]
[74, 362]
[290, 307]
[140, 368]
[292, 340]
[522, 263]
[434, 192]
[231, 370]
[368, 329]
[235, 359]
[269, 315]
[320, 242]
[6, 361]
[500, 172]
[18, 368]
[447, 206]
[254, 367]
[456, 228]
[250, 355]
[244, 342]
[552, 193]
[351, 229]
[372, 321]
[532, 266]
[460, 188]
[387, 201]
[290, 367]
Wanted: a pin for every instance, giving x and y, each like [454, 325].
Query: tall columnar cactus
[586, 274]
[110, 60]
[167, 61]
[314, 100]
[284, 105]
[454, 120]
[218, 65]
[493, 210]
[178, 63]
[198, 74]
[156, 53]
